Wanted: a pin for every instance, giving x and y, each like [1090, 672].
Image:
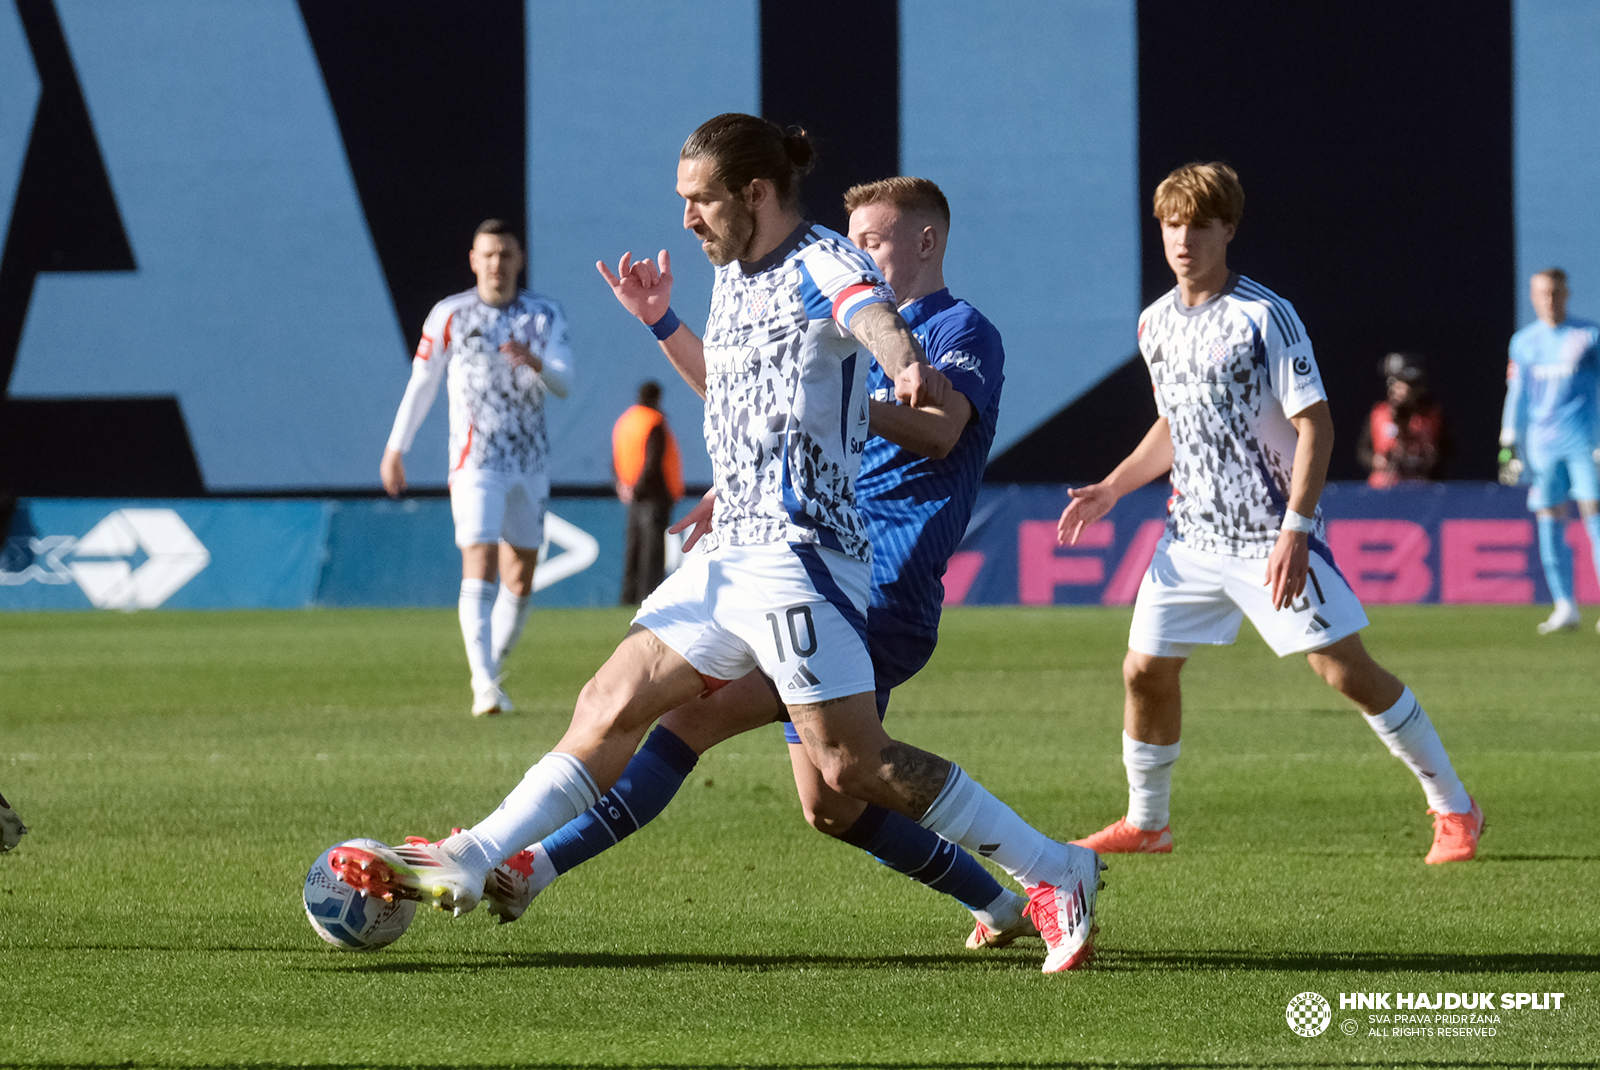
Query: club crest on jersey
[756, 304]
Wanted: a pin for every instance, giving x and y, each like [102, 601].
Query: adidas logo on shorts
[804, 678]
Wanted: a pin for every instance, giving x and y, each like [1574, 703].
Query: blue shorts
[898, 651]
[1563, 477]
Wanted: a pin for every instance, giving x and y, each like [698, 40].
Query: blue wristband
[663, 327]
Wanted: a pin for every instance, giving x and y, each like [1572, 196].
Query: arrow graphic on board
[173, 557]
[579, 551]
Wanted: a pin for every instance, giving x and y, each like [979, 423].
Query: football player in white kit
[781, 584]
[501, 350]
[1245, 430]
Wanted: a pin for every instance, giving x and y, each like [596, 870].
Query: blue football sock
[652, 778]
[1556, 556]
[906, 847]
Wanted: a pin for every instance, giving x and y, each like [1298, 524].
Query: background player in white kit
[1245, 429]
[501, 350]
[781, 584]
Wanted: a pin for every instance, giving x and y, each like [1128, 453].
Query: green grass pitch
[182, 770]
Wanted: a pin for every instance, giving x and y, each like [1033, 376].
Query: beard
[734, 240]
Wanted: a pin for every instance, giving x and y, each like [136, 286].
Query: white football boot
[488, 699]
[513, 883]
[1064, 910]
[419, 870]
[1563, 618]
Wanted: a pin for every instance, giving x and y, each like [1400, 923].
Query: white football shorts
[1191, 598]
[796, 611]
[499, 507]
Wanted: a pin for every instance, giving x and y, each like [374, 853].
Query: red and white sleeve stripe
[853, 299]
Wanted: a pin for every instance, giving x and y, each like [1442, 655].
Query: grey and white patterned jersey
[1227, 375]
[496, 408]
[786, 400]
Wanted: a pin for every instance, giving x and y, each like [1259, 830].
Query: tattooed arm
[880, 328]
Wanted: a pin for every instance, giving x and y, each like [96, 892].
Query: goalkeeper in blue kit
[1550, 429]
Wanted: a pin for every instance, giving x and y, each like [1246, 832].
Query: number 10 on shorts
[793, 614]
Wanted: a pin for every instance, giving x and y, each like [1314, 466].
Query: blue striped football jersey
[917, 508]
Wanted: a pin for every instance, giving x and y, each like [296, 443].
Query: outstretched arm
[646, 292]
[1149, 459]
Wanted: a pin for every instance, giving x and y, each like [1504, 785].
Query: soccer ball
[348, 919]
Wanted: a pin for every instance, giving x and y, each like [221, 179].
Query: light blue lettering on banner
[614, 89]
[1027, 117]
[18, 103]
[258, 299]
[172, 554]
[1557, 159]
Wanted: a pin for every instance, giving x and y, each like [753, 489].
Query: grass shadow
[757, 1064]
[1351, 961]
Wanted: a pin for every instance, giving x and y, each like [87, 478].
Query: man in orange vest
[649, 474]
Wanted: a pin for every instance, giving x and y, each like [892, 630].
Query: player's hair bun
[798, 147]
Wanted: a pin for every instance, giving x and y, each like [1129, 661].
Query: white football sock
[470, 850]
[1149, 782]
[557, 789]
[1410, 736]
[1004, 913]
[506, 621]
[476, 605]
[966, 813]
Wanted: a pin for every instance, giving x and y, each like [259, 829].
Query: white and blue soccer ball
[346, 918]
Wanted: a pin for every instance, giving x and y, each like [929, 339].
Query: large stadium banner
[1433, 542]
[1444, 542]
[282, 554]
[1440, 542]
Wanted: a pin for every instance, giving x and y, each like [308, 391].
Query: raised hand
[1088, 505]
[643, 289]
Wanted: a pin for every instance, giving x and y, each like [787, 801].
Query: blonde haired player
[1244, 428]
[501, 349]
